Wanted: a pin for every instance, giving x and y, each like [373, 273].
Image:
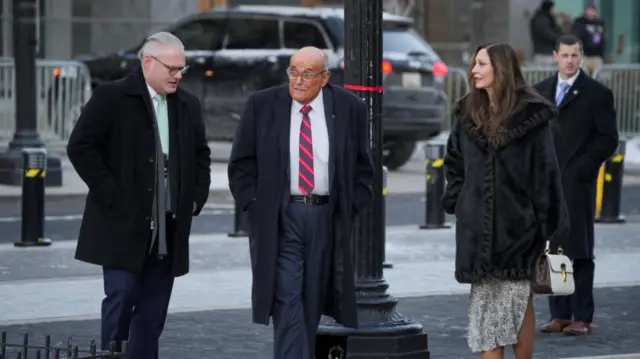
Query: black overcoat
[112, 147]
[259, 181]
[585, 136]
[506, 193]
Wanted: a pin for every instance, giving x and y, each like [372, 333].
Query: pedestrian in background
[300, 166]
[586, 135]
[544, 31]
[590, 30]
[140, 147]
[504, 187]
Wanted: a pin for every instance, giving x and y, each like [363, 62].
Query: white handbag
[553, 274]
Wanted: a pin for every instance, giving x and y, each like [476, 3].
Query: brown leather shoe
[555, 326]
[578, 328]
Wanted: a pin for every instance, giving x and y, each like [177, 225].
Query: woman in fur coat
[503, 185]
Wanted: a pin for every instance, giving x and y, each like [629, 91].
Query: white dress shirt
[570, 81]
[320, 139]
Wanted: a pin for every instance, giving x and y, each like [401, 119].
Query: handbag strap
[547, 248]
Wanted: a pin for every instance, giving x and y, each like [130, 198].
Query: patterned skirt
[496, 313]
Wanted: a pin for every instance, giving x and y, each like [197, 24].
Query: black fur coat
[506, 194]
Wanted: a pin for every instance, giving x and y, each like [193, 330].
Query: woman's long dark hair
[510, 90]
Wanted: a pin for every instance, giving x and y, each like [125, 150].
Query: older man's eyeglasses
[307, 75]
[173, 69]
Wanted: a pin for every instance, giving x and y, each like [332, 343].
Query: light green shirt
[162, 117]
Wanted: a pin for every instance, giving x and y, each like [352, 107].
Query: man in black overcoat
[585, 136]
[300, 165]
[140, 147]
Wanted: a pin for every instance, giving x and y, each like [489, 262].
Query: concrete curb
[216, 193]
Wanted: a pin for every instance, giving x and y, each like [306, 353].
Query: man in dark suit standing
[300, 165]
[140, 147]
[586, 135]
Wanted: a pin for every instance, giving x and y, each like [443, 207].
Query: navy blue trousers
[135, 306]
[302, 275]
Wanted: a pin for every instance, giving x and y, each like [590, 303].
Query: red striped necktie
[305, 157]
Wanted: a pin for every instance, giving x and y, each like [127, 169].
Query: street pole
[26, 104]
[382, 331]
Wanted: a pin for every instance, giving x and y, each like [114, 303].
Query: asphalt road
[63, 217]
[229, 334]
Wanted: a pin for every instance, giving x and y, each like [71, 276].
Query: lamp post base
[405, 341]
[383, 333]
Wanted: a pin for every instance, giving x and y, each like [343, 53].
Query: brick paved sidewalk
[229, 334]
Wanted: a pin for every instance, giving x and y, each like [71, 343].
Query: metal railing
[62, 89]
[455, 86]
[26, 348]
[623, 80]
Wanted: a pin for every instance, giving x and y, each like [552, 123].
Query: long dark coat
[112, 147]
[259, 181]
[585, 136]
[506, 193]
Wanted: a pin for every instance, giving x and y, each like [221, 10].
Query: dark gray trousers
[302, 274]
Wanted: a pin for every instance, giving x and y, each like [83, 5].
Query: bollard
[385, 182]
[435, 184]
[610, 188]
[240, 223]
[34, 171]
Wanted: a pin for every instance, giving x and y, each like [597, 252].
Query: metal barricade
[624, 82]
[622, 79]
[62, 89]
[534, 74]
[455, 86]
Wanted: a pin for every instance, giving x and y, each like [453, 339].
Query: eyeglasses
[172, 69]
[294, 75]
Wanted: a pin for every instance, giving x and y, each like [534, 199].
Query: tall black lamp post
[26, 133]
[383, 332]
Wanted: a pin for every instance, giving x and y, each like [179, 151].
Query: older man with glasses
[300, 166]
[140, 147]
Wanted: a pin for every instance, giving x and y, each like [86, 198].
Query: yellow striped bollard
[434, 152]
[609, 193]
[34, 172]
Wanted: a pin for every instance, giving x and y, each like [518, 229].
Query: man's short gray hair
[159, 38]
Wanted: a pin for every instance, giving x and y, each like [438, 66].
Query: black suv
[234, 52]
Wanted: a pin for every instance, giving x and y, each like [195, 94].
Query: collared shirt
[162, 118]
[570, 81]
[320, 139]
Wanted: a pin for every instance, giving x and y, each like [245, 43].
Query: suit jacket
[112, 147]
[585, 136]
[259, 181]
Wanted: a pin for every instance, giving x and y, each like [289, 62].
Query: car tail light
[386, 67]
[440, 69]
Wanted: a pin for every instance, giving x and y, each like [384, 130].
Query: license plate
[411, 80]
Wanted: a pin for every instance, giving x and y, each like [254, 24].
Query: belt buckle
[306, 199]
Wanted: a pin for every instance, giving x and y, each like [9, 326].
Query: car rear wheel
[398, 153]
